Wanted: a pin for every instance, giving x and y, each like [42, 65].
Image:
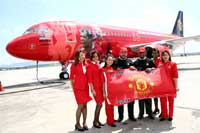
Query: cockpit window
[29, 31]
[43, 32]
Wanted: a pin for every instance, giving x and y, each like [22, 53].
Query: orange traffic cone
[1, 87]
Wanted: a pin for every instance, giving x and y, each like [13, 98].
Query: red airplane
[58, 40]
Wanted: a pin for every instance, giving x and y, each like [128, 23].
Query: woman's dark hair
[106, 61]
[157, 51]
[165, 51]
[93, 53]
[77, 54]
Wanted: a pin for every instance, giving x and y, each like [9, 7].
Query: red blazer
[94, 75]
[106, 70]
[79, 77]
[171, 69]
[81, 89]
[157, 62]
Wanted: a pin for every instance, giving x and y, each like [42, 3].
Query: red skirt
[82, 96]
[99, 96]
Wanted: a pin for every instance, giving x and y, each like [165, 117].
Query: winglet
[178, 26]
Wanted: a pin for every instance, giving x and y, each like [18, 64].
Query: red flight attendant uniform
[81, 89]
[157, 62]
[172, 72]
[94, 77]
[108, 107]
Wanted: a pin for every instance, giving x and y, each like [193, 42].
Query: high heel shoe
[156, 111]
[78, 128]
[100, 124]
[85, 127]
[96, 125]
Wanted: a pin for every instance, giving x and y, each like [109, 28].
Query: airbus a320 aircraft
[58, 40]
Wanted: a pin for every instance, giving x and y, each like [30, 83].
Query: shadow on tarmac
[140, 126]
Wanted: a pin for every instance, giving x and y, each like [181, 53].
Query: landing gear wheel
[64, 75]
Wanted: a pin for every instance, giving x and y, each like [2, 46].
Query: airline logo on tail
[178, 26]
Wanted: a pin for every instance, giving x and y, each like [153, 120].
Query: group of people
[87, 75]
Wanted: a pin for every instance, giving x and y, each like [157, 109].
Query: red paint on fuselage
[58, 40]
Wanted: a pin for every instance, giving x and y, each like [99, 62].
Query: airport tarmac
[27, 106]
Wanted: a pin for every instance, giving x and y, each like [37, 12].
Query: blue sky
[153, 15]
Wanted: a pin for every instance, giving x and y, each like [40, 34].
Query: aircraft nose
[24, 46]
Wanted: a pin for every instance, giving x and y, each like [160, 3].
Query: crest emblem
[141, 84]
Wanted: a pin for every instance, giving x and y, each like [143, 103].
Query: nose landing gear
[64, 75]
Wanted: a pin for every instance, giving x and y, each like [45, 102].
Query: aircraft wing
[171, 43]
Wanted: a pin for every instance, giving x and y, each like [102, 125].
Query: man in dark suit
[123, 62]
[144, 64]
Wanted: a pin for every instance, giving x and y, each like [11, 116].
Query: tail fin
[178, 26]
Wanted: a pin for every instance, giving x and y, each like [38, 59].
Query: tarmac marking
[188, 108]
[43, 85]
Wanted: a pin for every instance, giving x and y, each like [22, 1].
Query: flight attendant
[79, 83]
[108, 107]
[172, 72]
[157, 61]
[96, 86]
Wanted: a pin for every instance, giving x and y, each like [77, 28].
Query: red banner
[124, 86]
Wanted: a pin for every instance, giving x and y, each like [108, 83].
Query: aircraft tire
[61, 75]
[64, 75]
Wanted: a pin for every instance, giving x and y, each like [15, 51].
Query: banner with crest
[124, 86]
